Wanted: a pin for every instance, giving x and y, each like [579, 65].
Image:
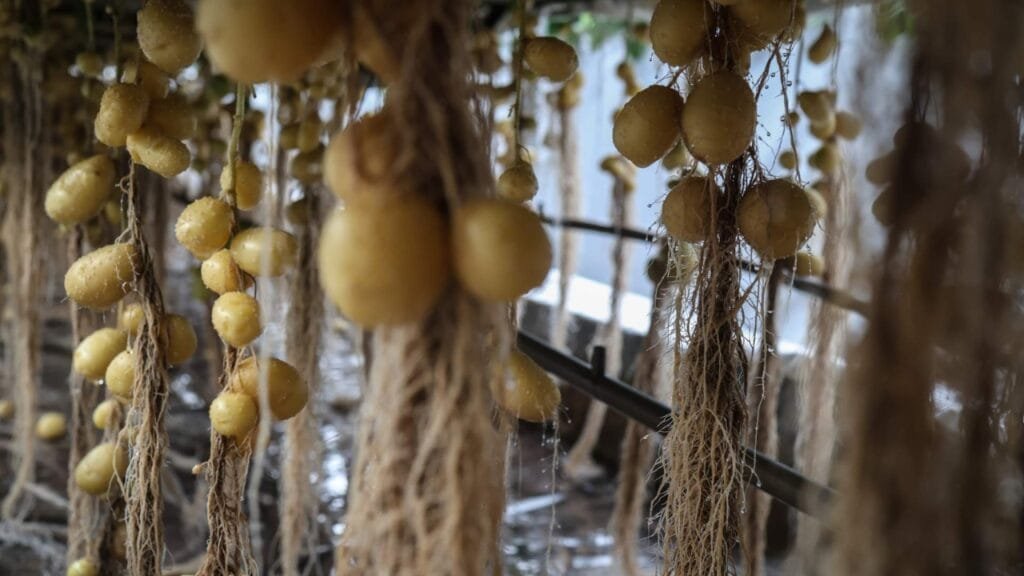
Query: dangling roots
[568, 240]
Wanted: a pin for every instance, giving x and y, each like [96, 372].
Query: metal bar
[774, 478]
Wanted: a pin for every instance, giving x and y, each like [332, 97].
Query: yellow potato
[51, 426]
[255, 41]
[205, 226]
[102, 277]
[248, 184]
[518, 183]
[81, 191]
[6, 409]
[679, 30]
[248, 248]
[817, 105]
[765, 19]
[678, 157]
[153, 80]
[686, 212]
[233, 414]
[236, 318]
[776, 217]
[97, 470]
[173, 116]
[827, 159]
[499, 248]
[95, 352]
[848, 126]
[158, 152]
[166, 33]
[526, 391]
[122, 111]
[410, 235]
[550, 58]
[286, 389]
[102, 414]
[120, 376]
[807, 264]
[823, 48]
[788, 160]
[90, 63]
[131, 318]
[310, 130]
[825, 128]
[180, 339]
[648, 127]
[306, 166]
[719, 118]
[221, 275]
[83, 567]
[880, 170]
[817, 199]
[882, 208]
[359, 160]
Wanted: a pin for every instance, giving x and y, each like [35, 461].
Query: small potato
[764, 19]
[823, 48]
[236, 318]
[528, 392]
[97, 470]
[306, 167]
[102, 277]
[817, 105]
[122, 111]
[679, 30]
[827, 159]
[158, 152]
[131, 318]
[95, 352]
[233, 414]
[173, 116]
[6, 409]
[249, 246]
[848, 126]
[104, 412]
[648, 127]
[808, 264]
[120, 376]
[787, 159]
[500, 249]
[719, 118]
[83, 567]
[518, 183]
[205, 226]
[686, 211]
[776, 218]
[880, 170]
[51, 426]
[825, 128]
[180, 339]
[166, 33]
[359, 160]
[221, 275]
[677, 158]
[310, 130]
[153, 80]
[551, 58]
[882, 208]
[90, 63]
[286, 389]
[248, 184]
[81, 191]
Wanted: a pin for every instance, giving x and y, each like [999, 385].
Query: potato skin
[81, 191]
[102, 277]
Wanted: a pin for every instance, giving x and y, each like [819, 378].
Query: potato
[233, 414]
[827, 159]
[153, 80]
[518, 183]
[6, 409]
[90, 64]
[221, 275]
[359, 160]
[51, 426]
[180, 339]
[824, 47]
[288, 139]
[83, 567]
[248, 184]
[81, 191]
[102, 277]
[679, 30]
[719, 118]
[97, 470]
[527, 391]
[131, 318]
[677, 269]
[286, 389]
[626, 73]
[686, 212]
[775, 218]
[807, 264]
[764, 19]
[647, 127]
[306, 166]
[550, 58]
[158, 152]
[205, 226]
[248, 247]
[255, 41]
[848, 126]
[678, 157]
[95, 352]
[817, 105]
[409, 235]
[825, 128]
[310, 130]
[880, 170]
[120, 376]
[236, 318]
[500, 249]
[788, 160]
[882, 208]
[166, 33]
[102, 414]
[818, 203]
[122, 111]
[173, 116]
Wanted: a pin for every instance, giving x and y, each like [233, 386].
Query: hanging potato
[6, 409]
[90, 63]
[676, 268]
[83, 567]
[100, 278]
[679, 30]
[788, 160]
[719, 118]
[764, 19]
[81, 191]
[310, 130]
[775, 218]
[808, 264]
[250, 247]
[236, 318]
[172, 116]
[122, 111]
[120, 375]
[500, 249]
[410, 236]
[848, 126]
[818, 203]
[882, 208]
[221, 275]
[51, 426]
[104, 412]
[152, 79]
[97, 470]
[551, 58]
[823, 48]
[306, 167]
[626, 73]
[880, 170]
[181, 339]
[518, 183]
[95, 352]
[158, 152]
[204, 226]
[817, 105]
[248, 184]
[825, 128]
[291, 36]
[131, 318]
[166, 33]
[826, 159]
[647, 127]
[286, 389]
[686, 211]
[527, 392]
[233, 414]
[358, 162]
